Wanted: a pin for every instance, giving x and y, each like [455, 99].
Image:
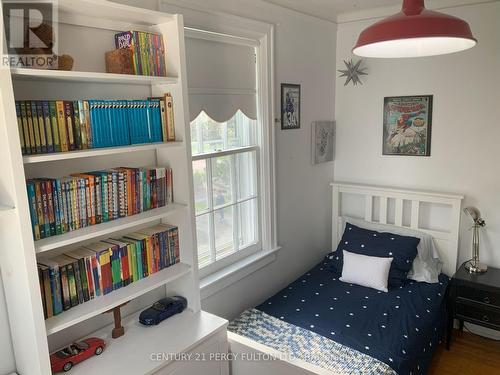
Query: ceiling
[330, 9]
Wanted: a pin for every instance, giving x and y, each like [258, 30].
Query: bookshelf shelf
[89, 77]
[177, 334]
[42, 158]
[104, 303]
[106, 228]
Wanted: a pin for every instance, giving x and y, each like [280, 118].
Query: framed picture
[290, 106]
[322, 141]
[407, 125]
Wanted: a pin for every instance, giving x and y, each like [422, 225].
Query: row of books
[60, 205]
[148, 52]
[97, 269]
[47, 126]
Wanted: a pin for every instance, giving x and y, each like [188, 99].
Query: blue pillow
[378, 244]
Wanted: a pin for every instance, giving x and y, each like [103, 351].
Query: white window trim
[260, 35]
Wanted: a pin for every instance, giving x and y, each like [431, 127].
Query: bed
[320, 325]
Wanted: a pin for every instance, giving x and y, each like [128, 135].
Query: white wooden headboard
[403, 204]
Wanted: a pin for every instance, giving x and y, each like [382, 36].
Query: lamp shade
[415, 32]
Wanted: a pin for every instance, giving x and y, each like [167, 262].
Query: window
[232, 154]
[225, 187]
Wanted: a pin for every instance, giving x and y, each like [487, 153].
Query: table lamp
[473, 265]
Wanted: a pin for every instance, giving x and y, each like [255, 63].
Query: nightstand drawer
[478, 295]
[478, 313]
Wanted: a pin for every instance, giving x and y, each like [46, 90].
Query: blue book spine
[62, 210]
[124, 124]
[138, 247]
[129, 112]
[95, 272]
[102, 122]
[114, 123]
[157, 122]
[57, 206]
[94, 123]
[55, 287]
[133, 121]
[146, 131]
[32, 205]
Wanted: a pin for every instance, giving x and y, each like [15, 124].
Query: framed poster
[407, 125]
[290, 106]
[322, 141]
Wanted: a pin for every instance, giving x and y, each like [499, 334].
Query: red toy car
[65, 359]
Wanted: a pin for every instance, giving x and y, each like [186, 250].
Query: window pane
[247, 223]
[246, 171]
[203, 237]
[208, 135]
[200, 185]
[224, 239]
[222, 178]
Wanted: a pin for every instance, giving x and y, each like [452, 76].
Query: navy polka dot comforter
[401, 328]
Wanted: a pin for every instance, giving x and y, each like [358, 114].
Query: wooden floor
[469, 354]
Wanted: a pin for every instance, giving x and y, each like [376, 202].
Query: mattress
[392, 332]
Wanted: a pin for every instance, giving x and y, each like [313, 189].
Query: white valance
[221, 78]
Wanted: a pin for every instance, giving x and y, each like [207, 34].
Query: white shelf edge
[131, 353]
[101, 304]
[106, 228]
[41, 158]
[79, 76]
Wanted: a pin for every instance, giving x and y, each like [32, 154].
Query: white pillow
[372, 272]
[426, 267]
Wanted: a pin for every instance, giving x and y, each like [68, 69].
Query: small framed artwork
[290, 106]
[322, 141]
[407, 125]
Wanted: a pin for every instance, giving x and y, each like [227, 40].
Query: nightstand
[474, 298]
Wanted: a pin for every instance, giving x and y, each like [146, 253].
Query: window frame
[259, 36]
[252, 248]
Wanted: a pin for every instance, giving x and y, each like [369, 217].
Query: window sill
[220, 280]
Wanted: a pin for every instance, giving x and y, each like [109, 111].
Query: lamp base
[476, 267]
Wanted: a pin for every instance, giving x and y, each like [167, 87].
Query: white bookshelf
[95, 77]
[86, 30]
[102, 304]
[107, 228]
[131, 354]
[42, 158]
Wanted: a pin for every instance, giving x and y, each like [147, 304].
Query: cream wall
[465, 133]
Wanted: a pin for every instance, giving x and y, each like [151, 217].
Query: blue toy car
[162, 309]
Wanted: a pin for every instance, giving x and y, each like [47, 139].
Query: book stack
[60, 205]
[148, 52]
[78, 276]
[47, 126]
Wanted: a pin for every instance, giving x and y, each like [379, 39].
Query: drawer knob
[486, 318]
[486, 300]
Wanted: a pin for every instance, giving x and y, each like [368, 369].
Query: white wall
[465, 131]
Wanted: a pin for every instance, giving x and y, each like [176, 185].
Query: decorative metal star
[352, 72]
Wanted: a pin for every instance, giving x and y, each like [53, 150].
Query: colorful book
[48, 125]
[54, 125]
[169, 114]
[20, 127]
[36, 108]
[61, 123]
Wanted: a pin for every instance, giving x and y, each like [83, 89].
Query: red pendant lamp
[415, 32]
